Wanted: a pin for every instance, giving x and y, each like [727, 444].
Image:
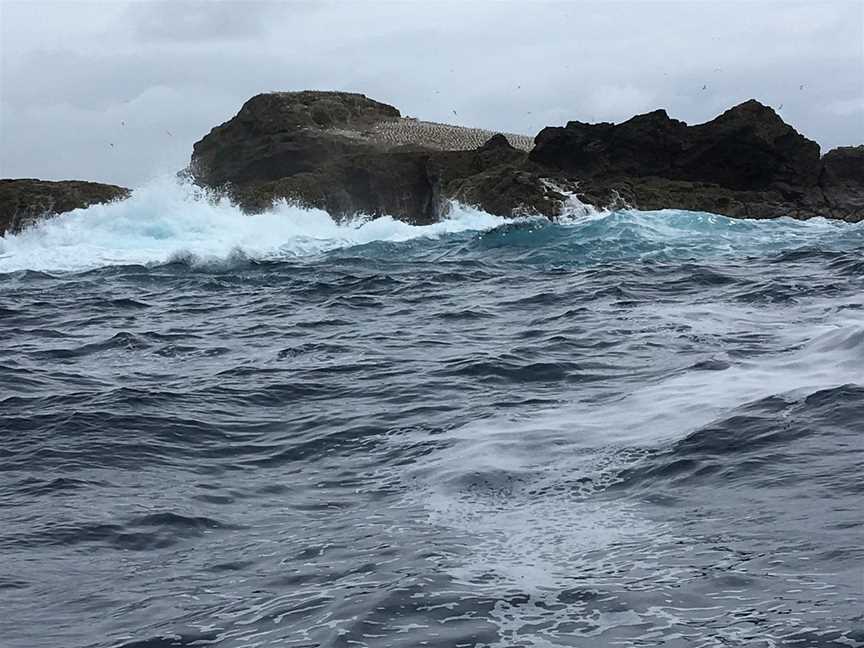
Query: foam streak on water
[620, 429]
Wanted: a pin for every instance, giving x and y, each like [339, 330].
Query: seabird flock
[442, 137]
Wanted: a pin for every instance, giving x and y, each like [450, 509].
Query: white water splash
[166, 219]
[574, 211]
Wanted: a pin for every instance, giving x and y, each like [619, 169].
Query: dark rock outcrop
[745, 163]
[747, 148]
[346, 153]
[24, 201]
[842, 182]
[340, 152]
[844, 166]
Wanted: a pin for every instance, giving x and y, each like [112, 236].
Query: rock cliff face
[24, 201]
[347, 153]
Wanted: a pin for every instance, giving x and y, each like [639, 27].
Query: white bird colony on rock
[443, 137]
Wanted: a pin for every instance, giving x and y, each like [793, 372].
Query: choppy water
[627, 429]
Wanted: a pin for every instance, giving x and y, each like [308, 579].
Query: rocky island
[347, 153]
[350, 154]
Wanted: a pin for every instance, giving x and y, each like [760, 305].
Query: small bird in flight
[169, 133]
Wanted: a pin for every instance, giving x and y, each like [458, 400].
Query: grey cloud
[185, 67]
[207, 21]
[94, 82]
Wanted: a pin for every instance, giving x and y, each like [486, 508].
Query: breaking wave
[168, 221]
[619, 428]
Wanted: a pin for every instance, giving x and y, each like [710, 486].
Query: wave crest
[169, 221]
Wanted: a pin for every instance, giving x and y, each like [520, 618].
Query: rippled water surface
[632, 429]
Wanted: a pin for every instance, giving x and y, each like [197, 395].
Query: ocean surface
[623, 429]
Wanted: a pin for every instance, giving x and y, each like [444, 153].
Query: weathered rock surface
[841, 182]
[747, 148]
[24, 201]
[745, 163]
[346, 153]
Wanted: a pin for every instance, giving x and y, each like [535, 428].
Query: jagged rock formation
[347, 153]
[747, 162]
[24, 201]
[747, 148]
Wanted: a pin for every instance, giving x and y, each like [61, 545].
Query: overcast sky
[151, 78]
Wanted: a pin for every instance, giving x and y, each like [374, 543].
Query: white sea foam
[167, 219]
[574, 211]
[532, 528]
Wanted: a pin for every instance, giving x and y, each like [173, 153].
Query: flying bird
[704, 87]
[169, 133]
[801, 87]
[122, 123]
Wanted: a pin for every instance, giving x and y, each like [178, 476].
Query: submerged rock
[347, 153]
[24, 201]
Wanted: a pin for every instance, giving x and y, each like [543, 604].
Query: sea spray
[169, 219]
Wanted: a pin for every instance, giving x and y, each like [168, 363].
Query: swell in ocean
[623, 428]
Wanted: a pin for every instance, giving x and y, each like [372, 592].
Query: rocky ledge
[347, 153]
[24, 201]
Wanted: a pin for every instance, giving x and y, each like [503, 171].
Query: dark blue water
[635, 430]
